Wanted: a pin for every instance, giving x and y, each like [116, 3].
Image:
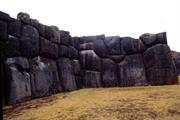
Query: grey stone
[23, 17]
[44, 77]
[48, 49]
[29, 41]
[12, 47]
[109, 73]
[14, 28]
[101, 49]
[89, 60]
[17, 83]
[132, 71]
[117, 58]
[4, 17]
[113, 45]
[87, 39]
[76, 67]
[66, 74]
[73, 53]
[52, 34]
[63, 51]
[65, 38]
[3, 31]
[87, 46]
[75, 42]
[92, 79]
[132, 46]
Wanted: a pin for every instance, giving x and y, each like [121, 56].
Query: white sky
[109, 17]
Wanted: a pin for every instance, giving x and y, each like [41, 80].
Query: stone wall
[39, 60]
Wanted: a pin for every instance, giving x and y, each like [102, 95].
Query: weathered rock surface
[14, 28]
[3, 31]
[65, 38]
[177, 64]
[92, 79]
[89, 60]
[44, 77]
[132, 46]
[66, 75]
[29, 41]
[87, 39]
[109, 73]
[132, 71]
[48, 49]
[52, 34]
[17, 83]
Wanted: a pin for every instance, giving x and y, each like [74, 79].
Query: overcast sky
[109, 17]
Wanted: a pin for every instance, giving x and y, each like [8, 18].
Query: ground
[129, 103]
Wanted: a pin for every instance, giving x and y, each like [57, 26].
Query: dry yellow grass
[130, 103]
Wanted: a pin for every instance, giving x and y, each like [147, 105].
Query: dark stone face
[132, 71]
[160, 69]
[73, 53]
[14, 28]
[48, 49]
[44, 77]
[63, 51]
[87, 39]
[89, 60]
[17, 84]
[132, 46]
[12, 47]
[52, 34]
[109, 73]
[3, 31]
[66, 74]
[65, 38]
[92, 79]
[29, 42]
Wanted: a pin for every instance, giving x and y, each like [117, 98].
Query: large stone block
[65, 38]
[87, 39]
[87, 46]
[76, 67]
[66, 74]
[48, 49]
[79, 81]
[63, 51]
[73, 53]
[44, 77]
[101, 49]
[12, 47]
[177, 64]
[132, 71]
[163, 76]
[4, 17]
[23, 17]
[14, 28]
[17, 83]
[117, 58]
[52, 34]
[29, 41]
[152, 39]
[3, 31]
[132, 46]
[75, 42]
[109, 73]
[113, 45]
[89, 60]
[92, 79]
[157, 56]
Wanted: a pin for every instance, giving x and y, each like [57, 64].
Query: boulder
[66, 74]
[87, 46]
[153, 39]
[89, 60]
[73, 53]
[87, 39]
[63, 51]
[3, 31]
[177, 64]
[4, 17]
[75, 42]
[44, 77]
[132, 71]
[14, 28]
[157, 56]
[12, 47]
[132, 46]
[48, 49]
[113, 45]
[109, 73]
[17, 83]
[101, 49]
[52, 34]
[79, 81]
[23, 17]
[92, 79]
[163, 76]
[42, 30]
[76, 67]
[65, 38]
[29, 41]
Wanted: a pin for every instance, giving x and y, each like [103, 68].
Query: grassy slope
[130, 103]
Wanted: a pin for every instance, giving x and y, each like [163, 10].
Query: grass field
[130, 103]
